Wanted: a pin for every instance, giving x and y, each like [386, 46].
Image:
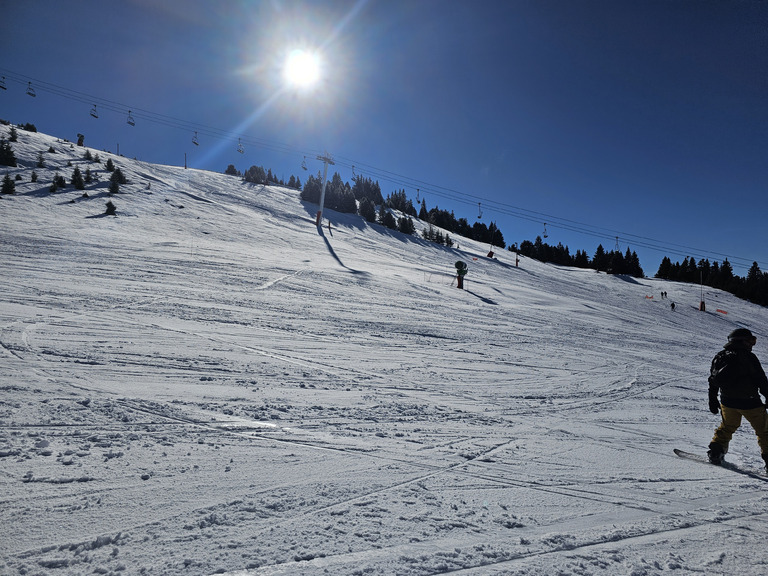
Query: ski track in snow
[207, 383]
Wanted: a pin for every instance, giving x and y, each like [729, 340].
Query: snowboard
[727, 465]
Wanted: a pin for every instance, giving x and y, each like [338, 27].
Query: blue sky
[646, 120]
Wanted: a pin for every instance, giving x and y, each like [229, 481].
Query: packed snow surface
[208, 383]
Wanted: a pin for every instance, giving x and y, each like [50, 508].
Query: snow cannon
[461, 271]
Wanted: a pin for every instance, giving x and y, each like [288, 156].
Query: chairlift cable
[438, 190]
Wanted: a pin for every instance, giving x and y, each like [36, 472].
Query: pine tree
[9, 186]
[386, 219]
[423, 214]
[405, 225]
[119, 176]
[77, 179]
[367, 210]
[255, 174]
[599, 260]
[312, 189]
[7, 157]
[110, 166]
[114, 182]
[665, 269]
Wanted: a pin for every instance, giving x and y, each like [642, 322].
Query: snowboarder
[737, 375]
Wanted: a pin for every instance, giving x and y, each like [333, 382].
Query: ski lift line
[151, 116]
[386, 175]
[571, 225]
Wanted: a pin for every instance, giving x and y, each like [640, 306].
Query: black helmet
[740, 334]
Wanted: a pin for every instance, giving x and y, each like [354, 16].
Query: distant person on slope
[737, 375]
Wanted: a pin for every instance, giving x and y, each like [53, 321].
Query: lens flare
[302, 69]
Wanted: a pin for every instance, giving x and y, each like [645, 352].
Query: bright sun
[302, 69]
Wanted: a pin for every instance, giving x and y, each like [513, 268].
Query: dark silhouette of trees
[613, 262]
[753, 287]
[367, 188]
[338, 194]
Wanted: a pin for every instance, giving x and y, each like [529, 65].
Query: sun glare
[302, 69]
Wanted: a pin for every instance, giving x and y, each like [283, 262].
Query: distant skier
[737, 375]
[672, 306]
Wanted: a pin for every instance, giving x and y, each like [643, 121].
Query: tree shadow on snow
[628, 279]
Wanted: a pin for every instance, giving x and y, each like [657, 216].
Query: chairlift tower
[325, 160]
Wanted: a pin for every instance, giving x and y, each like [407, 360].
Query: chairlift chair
[30, 90]
[2, 83]
[240, 147]
[304, 163]
[94, 112]
[479, 211]
[194, 140]
[545, 231]
[130, 119]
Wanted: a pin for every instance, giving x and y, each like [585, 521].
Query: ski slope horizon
[208, 383]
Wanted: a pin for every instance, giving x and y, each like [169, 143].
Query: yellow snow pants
[757, 418]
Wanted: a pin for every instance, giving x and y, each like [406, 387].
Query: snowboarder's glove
[714, 406]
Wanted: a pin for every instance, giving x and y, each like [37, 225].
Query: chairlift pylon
[194, 139]
[130, 119]
[30, 90]
[94, 112]
[240, 147]
[2, 83]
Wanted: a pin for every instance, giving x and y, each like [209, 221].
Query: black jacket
[737, 374]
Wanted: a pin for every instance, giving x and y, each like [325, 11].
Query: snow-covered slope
[208, 383]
